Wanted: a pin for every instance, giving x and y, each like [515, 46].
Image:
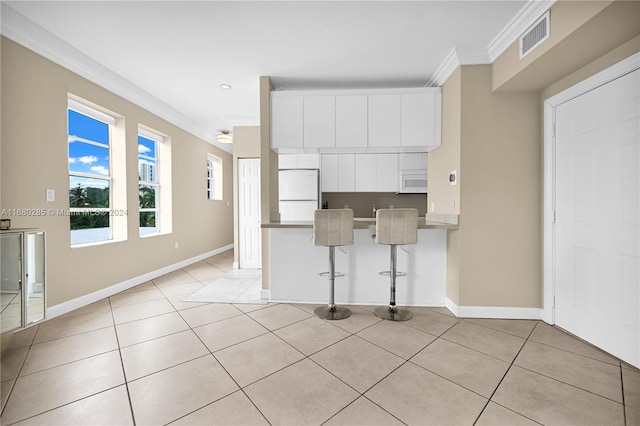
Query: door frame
[621, 68]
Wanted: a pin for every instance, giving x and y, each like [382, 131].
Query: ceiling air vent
[535, 35]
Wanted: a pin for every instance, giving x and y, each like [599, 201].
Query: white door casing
[249, 232]
[592, 215]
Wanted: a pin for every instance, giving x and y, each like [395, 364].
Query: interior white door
[249, 233]
[597, 231]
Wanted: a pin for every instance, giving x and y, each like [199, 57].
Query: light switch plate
[51, 195]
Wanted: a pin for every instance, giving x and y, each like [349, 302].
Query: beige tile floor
[146, 357]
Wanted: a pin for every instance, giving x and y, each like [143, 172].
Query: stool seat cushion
[333, 227]
[397, 226]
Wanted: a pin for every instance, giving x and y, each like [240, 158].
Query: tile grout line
[124, 373]
[503, 377]
[240, 388]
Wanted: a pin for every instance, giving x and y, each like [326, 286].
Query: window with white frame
[149, 181]
[214, 177]
[90, 173]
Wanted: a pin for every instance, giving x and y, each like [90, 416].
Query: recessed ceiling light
[225, 86]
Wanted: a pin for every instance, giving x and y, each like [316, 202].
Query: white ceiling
[178, 53]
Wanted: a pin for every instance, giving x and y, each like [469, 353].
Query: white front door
[597, 191]
[249, 232]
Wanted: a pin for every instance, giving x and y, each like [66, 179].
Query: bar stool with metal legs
[331, 228]
[395, 227]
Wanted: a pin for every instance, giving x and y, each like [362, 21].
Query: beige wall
[495, 258]
[268, 174]
[34, 158]
[246, 144]
[580, 32]
[500, 192]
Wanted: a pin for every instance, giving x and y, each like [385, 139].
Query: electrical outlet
[51, 195]
[433, 206]
[176, 245]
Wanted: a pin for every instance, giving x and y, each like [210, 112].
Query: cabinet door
[329, 172]
[346, 172]
[308, 161]
[413, 161]
[384, 120]
[419, 119]
[319, 121]
[387, 172]
[287, 161]
[366, 172]
[286, 122]
[351, 121]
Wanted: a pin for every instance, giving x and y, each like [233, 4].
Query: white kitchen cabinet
[351, 121]
[376, 172]
[387, 172]
[366, 171]
[319, 121]
[329, 172]
[384, 120]
[420, 125]
[355, 121]
[286, 122]
[298, 161]
[346, 173]
[337, 172]
[413, 161]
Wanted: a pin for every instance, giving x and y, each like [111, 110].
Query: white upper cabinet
[376, 172]
[384, 120]
[351, 121]
[366, 180]
[420, 122]
[286, 122]
[387, 172]
[346, 173]
[298, 161]
[413, 161]
[356, 121]
[337, 172]
[319, 121]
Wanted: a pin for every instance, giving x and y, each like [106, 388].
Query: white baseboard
[82, 301]
[495, 312]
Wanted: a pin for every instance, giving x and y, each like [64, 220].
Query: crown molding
[459, 55]
[27, 33]
[529, 13]
[473, 55]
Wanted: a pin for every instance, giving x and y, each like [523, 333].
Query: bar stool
[395, 227]
[331, 228]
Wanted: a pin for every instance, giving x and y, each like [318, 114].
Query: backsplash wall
[362, 202]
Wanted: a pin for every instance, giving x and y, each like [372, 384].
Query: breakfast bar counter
[296, 262]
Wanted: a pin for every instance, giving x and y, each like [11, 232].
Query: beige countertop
[431, 222]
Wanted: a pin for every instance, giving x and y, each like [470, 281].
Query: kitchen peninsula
[296, 263]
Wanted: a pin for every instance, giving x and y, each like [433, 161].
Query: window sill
[97, 243]
[155, 234]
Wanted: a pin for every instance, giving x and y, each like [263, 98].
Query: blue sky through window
[87, 157]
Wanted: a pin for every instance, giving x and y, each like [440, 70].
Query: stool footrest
[388, 273]
[328, 274]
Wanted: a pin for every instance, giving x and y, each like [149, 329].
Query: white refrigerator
[299, 193]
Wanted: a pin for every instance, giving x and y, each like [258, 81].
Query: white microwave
[413, 182]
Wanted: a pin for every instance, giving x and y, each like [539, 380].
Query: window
[148, 181]
[90, 190]
[214, 177]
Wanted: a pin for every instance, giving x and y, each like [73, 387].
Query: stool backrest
[333, 227]
[397, 226]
